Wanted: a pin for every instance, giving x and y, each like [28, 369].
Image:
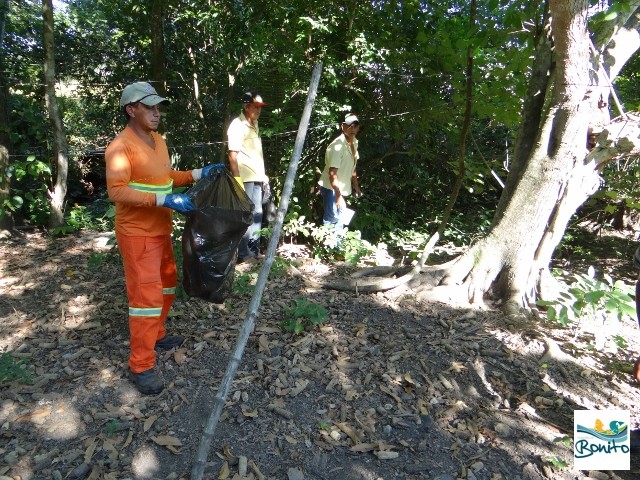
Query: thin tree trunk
[158, 61]
[196, 90]
[6, 215]
[56, 218]
[227, 109]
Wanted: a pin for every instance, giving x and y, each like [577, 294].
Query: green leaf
[546, 303]
[594, 297]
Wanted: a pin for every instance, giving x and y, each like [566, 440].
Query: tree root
[363, 281]
[554, 352]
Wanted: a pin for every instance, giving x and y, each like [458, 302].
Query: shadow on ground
[387, 387]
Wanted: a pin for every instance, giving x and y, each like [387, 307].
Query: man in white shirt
[339, 178]
[246, 162]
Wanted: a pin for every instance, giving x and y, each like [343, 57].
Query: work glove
[177, 201]
[239, 180]
[198, 173]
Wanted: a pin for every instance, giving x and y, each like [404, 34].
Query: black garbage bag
[212, 234]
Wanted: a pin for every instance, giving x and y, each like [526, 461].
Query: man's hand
[208, 168]
[340, 203]
[177, 201]
[198, 173]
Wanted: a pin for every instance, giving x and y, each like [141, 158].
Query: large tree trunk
[553, 176]
[56, 218]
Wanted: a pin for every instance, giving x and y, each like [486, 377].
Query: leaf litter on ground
[386, 387]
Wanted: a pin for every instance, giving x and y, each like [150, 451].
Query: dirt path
[387, 388]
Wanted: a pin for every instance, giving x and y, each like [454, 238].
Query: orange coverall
[135, 174]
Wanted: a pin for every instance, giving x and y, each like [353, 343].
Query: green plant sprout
[279, 267]
[243, 283]
[302, 315]
[12, 370]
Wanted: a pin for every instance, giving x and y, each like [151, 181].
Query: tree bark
[56, 217]
[532, 113]
[554, 175]
[158, 61]
[6, 216]
[508, 260]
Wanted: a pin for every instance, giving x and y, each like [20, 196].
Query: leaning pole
[247, 327]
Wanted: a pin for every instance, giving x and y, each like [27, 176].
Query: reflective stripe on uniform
[144, 187]
[169, 291]
[145, 312]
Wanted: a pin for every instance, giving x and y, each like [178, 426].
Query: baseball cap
[350, 119]
[141, 92]
[252, 97]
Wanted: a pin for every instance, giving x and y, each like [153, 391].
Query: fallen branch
[360, 282]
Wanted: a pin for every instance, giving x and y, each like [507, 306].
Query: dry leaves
[385, 381]
[169, 442]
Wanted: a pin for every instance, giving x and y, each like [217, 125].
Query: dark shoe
[169, 342]
[147, 382]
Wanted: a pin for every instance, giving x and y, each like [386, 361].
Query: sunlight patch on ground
[13, 340]
[8, 410]
[58, 420]
[145, 463]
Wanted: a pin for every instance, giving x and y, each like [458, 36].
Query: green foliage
[98, 259]
[324, 241]
[565, 440]
[557, 462]
[348, 246]
[12, 370]
[279, 267]
[621, 342]
[375, 219]
[587, 296]
[303, 315]
[410, 242]
[324, 426]
[296, 225]
[81, 218]
[398, 65]
[243, 283]
[29, 179]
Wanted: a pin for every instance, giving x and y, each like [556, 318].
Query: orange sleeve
[181, 178]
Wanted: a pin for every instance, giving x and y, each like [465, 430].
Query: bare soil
[388, 387]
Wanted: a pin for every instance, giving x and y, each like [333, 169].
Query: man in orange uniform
[140, 181]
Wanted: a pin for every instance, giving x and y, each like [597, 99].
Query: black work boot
[147, 382]
[168, 342]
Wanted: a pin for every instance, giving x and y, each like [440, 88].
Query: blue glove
[208, 168]
[178, 201]
[198, 173]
